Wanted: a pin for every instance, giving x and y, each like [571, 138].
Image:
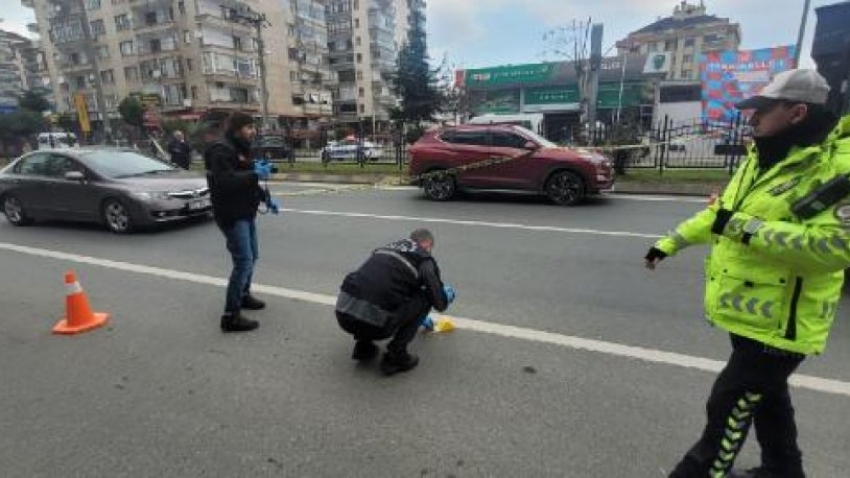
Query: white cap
[803, 86]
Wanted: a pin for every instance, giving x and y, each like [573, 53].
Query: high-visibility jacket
[772, 276]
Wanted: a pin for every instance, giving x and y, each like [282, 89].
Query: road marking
[650, 198]
[460, 222]
[818, 384]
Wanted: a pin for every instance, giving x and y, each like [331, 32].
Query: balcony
[142, 25]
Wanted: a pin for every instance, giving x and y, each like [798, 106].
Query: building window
[689, 42]
[155, 46]
[292, 76]
[194, 92]
[81, 82]
[362, 108]
[122, 22]
[357, 41]
[356, 4]
[687, 59]
[670, 45]
[131, 74]
[103, 51]
[187, 36]
[181, 7]
[98, 28]
[189, 64]
[237, 43]
[107, 77]
[92, 4]
[359, 75]
[362, 92]
[356, 23]
[359, 58]
[126, 48]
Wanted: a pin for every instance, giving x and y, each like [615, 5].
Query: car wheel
[14, 211]
[565, 188]
[440, 186]
[117, 217]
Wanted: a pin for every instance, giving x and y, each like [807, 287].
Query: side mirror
[75, 176]
[531, 146]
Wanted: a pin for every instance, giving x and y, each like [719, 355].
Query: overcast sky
[480, 33]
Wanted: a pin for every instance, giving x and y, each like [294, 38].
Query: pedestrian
[389, 296]
[236, 194]
[780, 240]
[180, 151]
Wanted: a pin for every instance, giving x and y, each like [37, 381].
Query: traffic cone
[79, 317]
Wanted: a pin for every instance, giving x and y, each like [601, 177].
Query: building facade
[21, 69]
[682, 38]
[323, 58]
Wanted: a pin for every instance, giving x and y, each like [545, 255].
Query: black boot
[752, 473]
[364, 351]
[394, 363]
[249, 302]
[234, 322]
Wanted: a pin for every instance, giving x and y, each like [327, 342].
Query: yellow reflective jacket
[781, 286]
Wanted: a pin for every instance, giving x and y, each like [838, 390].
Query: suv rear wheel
[565, 188]
[439, 186]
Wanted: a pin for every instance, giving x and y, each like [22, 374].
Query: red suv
[565, 175]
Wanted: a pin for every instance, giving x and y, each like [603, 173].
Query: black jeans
[752, 389]
[401, 326]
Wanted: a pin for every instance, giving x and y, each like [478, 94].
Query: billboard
[731, 76]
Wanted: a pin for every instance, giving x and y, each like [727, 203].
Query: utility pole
[802, 33]
[595, 65]
[259, 21]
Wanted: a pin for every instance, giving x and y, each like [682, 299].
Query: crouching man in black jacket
[236, 194]
[388, 296]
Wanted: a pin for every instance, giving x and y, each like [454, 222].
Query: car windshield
[124, 164]
[537, 138]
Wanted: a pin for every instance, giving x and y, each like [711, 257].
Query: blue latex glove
[273, 205]
[263, 169]
[427, 322]
[450, 293]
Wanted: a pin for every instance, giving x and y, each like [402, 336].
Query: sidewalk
[622, 186]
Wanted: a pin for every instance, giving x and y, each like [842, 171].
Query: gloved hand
[654, 256]
[273, 205]
[450, 293]
[263, 169]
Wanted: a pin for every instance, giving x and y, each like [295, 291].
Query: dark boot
[394, 363]
[364, 351]
[234, 322]
[249, 302]
[752, 473]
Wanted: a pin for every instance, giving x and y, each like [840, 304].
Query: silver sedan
[121, 189]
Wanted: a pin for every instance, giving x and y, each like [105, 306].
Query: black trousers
[401, 326]
[752, 389]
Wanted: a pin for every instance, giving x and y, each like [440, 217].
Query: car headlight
[151, 195]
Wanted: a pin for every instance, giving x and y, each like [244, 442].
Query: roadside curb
[699, 189]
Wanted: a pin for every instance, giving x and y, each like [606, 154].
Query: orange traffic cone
[79, 317]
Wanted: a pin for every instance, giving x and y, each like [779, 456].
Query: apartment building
[683, 37]
[364, 38]
[19, 69]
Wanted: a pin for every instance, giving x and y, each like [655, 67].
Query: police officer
[388, 296]
[236, 194]
[780, 238]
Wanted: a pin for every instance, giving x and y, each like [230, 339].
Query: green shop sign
[552, 95]
[510, 74]
[609, 95]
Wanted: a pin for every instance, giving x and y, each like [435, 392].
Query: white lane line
[460, 222]
[636, 197]
[818, 384]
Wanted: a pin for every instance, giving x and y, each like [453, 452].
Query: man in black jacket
[388, 296]
[180, 151]
[236, 194]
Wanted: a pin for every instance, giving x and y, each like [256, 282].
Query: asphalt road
[161, 392]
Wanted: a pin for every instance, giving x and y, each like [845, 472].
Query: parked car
[566, 175]
[271, 147]
[121, 189]
[351, 149]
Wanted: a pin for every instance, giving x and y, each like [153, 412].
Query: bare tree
[571, 43]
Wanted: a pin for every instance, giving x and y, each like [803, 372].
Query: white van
[57, 140]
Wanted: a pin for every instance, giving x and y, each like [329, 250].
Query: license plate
[199, 204]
